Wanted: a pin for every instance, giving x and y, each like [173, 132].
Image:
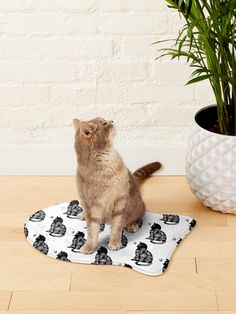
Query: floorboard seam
[195, 259]
[217, 304]
[9, 301]
[70, 281]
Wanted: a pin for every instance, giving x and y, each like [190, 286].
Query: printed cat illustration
[102, 227]
[101, 258]
[26, 232]
[143, 257]
[57, 229]
[165, 265]
[77, 242]
[170, 219]
[157, 236]
[73, 209]
[124, 240]
[192, 224]
[179, 241]
[40, 244]
[62, 256]
[38, 216]
[127, 266]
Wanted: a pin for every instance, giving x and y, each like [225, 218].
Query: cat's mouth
[113, 130]
[110, 123]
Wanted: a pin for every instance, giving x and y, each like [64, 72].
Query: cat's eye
[104, 123]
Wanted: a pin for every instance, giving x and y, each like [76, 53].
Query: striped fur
[145, 171]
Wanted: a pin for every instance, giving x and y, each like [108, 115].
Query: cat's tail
[145, 171]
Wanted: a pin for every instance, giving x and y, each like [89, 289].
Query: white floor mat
[57, 232]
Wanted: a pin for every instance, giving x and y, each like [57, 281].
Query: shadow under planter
[211, 163]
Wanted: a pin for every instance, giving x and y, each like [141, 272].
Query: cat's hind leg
[133, 227]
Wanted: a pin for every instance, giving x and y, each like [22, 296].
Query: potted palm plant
[208, 42]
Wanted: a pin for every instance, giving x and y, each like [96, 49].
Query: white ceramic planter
[211, 167]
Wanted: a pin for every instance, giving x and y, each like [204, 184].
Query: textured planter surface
[211, 168]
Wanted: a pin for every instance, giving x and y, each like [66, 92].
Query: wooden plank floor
[201, 277]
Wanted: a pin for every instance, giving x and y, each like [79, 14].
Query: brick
[172, 72]
[25, 117]
[171, 116]
[42, 5]
[204, 94]
[139, 47]
[175, 22]
[176, 94]
[81, 24]
[162, 94]
[147, 6]
[108, 111]
[59, 136]
[110, 94]
[132, 5]
[47, 5]
[32, 23]
[38, 72]
[138, 116]
[87, 71]
[151, 136]
[122, 71]
[81, 48]
[18, 48]
[144, 93]
[21, 48]
[39, 117]
[23, 95]
[48, 23]
[47, 72]
[11, 5]
[72, 95]
[76, 5]
[133, 24]
[27, 5]
[111, 6]
[154, 115]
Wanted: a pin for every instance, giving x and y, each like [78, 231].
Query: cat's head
[156, 226]
[62, 255]
[79, 234]
[58, 219]
[142, 245]
[95, 134]
[40, 238]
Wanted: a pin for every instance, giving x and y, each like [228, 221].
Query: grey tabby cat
[108, 191]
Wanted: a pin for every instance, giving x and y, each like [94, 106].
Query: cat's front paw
[81, 216]
[114, 245]
[87, 249]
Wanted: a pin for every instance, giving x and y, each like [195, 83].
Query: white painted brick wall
[65, 58]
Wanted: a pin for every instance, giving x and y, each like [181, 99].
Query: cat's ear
[85, 129]
[93, 127]
[76, 123]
